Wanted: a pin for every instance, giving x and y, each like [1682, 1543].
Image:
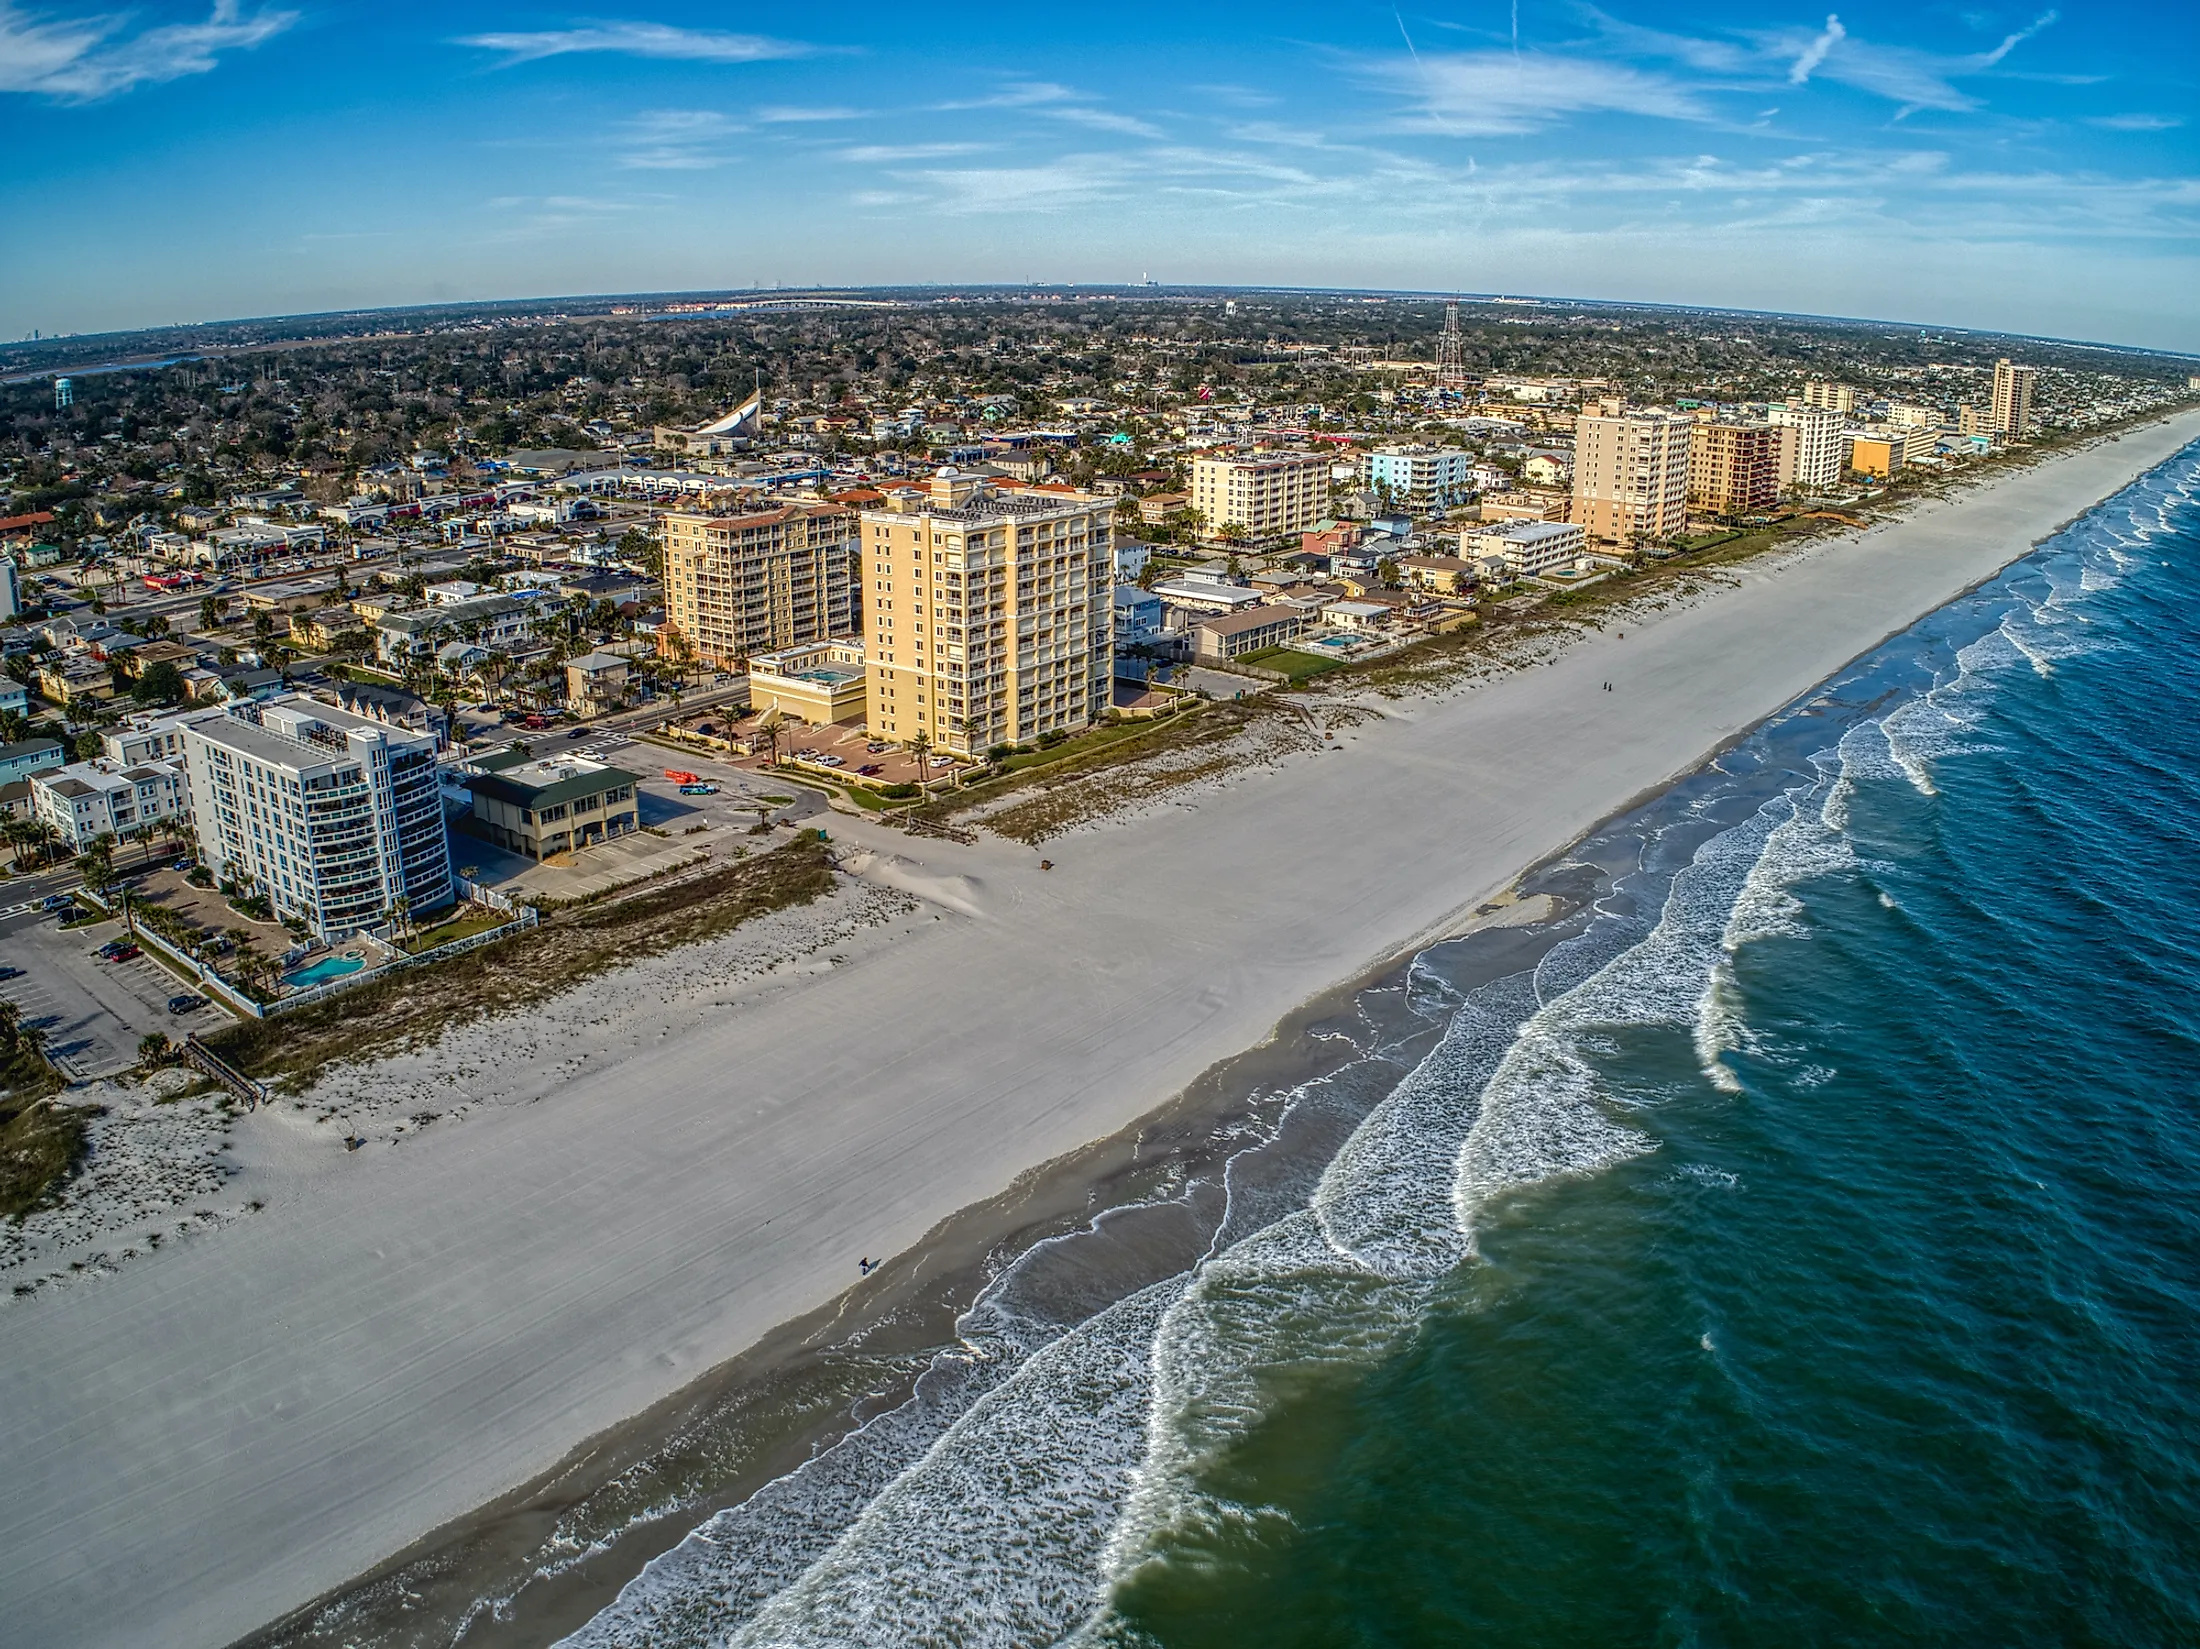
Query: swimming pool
[329, 967]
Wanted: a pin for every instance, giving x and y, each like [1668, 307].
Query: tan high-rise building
[742, 584]
[990, 614]
[1833, 397]
[1733, 469]
[1812, 451]
[1269, 494]
[2013, 387]
[1631, 474]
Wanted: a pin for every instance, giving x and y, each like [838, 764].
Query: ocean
[1794, 1240]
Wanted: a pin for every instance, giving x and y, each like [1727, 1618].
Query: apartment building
[1527, 548]
[1733, 468]
[86, 800]
[1422, 478]
[1879, 455]
[1631, 474]
[757, 583]
[1839, 398]
[1267, 495]
[491, 621]
[331, 815]
[2013, 387]
[988, 613]
[1811, 450]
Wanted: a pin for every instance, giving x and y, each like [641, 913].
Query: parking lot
[93, 1012]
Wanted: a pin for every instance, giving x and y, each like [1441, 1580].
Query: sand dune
[230, 1426]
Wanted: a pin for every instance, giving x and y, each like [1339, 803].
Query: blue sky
[1963, 163]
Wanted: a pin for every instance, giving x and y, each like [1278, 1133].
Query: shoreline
[1413, 760]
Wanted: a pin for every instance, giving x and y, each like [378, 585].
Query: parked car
[185, 1003]
[870, 770]
[54, 901]
[943, 761]
[124, 954]
[112, 945]
[698, 790]
[876, 748]
[11, 973]
[832, 761]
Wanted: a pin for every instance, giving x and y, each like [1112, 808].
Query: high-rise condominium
[332, 816]
[1733, 468]
[2013, 387]
[1631, 474]
[1812, 451]
[1268, 494]
[1833, 397]
[742, 584]
[988, 614]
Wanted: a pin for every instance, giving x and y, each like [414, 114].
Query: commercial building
[334, 817]
[553, 805]
[1733, 468]
[1528, 547]
[101, 798]
[1422, 478]
[744, 584]
[2013, 386]
[1267, 495]
[1811, 450]
[1631, 474]
[820, 683]
[988, 613]
[1192, 596]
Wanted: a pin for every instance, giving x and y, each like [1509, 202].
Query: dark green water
[1807, 1251]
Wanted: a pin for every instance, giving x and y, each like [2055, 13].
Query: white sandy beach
[224, 1429]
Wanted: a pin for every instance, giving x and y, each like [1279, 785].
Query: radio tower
[1451, 354]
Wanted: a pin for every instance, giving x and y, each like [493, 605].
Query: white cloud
[640, 40]
[1799, 72]
[1484, 94]
[677, 140]
[2137, 123]
[869, 154]
[1102, 120]
[82, 60]
[780, 114]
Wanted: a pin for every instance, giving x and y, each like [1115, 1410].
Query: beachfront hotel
[988, 613]
[331, 815]
[2013, 386]
[1812, 451]
[1631, 473]
[1267, 495]
[743, 584]
[1733, 468]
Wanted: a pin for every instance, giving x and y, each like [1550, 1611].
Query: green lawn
[472, 920]
[1291, 662]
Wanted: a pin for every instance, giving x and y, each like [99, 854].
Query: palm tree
[920, 750]
[13, 726]
[769, 728]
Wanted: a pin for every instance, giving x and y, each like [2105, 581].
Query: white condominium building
[1268, 495]
[1631, 474]
[2013, 386]
[1527, 547]
[988, 614]
[87, 800]
[332, 816]
[1812, 448]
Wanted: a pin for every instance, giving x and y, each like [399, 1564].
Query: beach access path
[226, 1428]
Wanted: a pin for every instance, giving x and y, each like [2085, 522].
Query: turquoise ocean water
[1805, 1249]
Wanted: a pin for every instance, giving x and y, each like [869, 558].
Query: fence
[526, 918]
